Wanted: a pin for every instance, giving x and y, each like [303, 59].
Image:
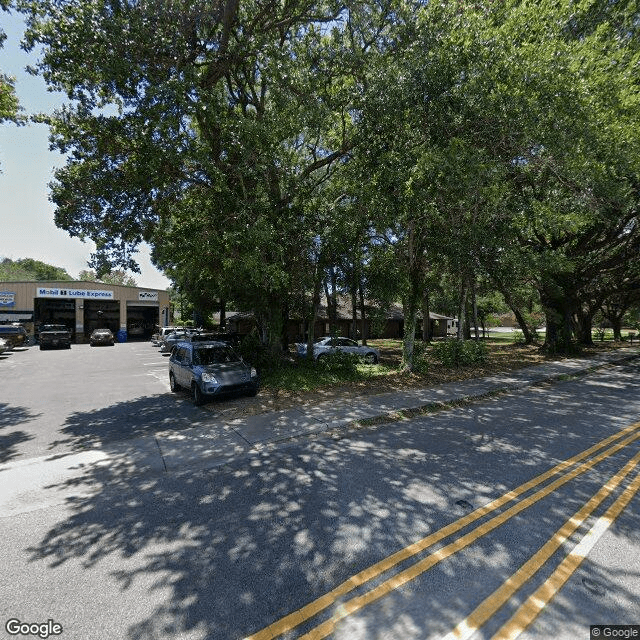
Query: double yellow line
[623, 438]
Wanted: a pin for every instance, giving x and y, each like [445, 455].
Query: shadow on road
[129, 419]
[240, 547]
[11, 417]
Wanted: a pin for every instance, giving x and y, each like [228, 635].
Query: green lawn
[301, 375]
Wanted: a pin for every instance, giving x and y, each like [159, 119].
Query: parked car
[171, 339]
[232, 339]
[328, 345]
[4, 345]
[209, 369]
[54, 336]
[101, 336]
[14, 335]
[162, 333]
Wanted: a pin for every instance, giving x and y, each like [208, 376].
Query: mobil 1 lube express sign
[59, 292]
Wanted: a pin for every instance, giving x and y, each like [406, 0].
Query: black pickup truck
[54, 336]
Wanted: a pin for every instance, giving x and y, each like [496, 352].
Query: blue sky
[26, 215]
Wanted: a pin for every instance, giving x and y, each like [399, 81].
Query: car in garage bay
[54, 336]
[101, 336]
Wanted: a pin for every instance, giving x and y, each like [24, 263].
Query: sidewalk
[231, 438]
[36, 483]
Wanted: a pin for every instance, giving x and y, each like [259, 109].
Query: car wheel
[321, 356]
[253, 393]
[198, 396]
[174, 386]
[41, 347]
[371, 358]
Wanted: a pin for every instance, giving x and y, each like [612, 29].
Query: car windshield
[214, 355]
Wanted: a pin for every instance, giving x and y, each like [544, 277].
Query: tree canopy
[387, 148]
[9, 105]
[28, 269]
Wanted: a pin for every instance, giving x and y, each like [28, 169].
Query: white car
[328, 345]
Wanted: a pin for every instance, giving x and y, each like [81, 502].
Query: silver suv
[208, 369]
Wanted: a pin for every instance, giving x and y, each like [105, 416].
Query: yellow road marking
[303, 614]
[412, 572]
[488, 607]
[535, 603]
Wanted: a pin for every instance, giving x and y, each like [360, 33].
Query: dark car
[54, 336]
[209, 369]
[14, 336]
[101, 336]
[172, 339]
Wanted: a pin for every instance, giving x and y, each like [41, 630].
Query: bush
[420, 362]
[339, 362]
[455, 353]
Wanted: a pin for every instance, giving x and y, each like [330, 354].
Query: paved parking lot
[61, 400]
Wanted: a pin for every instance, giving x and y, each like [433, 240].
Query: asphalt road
[378, 531]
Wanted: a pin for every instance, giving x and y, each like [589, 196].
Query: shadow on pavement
[129, 419]
[11, 417]
[239, 547]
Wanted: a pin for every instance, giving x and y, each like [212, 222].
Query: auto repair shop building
[85, 306]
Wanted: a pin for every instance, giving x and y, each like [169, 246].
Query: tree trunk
[475, 308]
[223, 314]
[410, 310]
[285, 325]
[558, 313]
[529, 336]
[273, 329]
[332, 302]
[354, 311]
[462, 310]
[522, 323]
[616, 322]
[584, 326]
[315, 306]
[411, 301]
[363, 316]
[426, 321]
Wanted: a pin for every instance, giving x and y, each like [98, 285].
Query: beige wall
[27, 292]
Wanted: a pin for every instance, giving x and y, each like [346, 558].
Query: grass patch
[294, 377]
[301, 375]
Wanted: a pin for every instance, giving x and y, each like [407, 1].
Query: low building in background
[131, 313]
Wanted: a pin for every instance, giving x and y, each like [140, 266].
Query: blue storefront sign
[7, 299]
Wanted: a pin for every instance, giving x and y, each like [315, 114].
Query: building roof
[395, 312]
